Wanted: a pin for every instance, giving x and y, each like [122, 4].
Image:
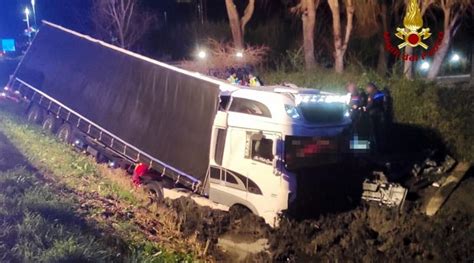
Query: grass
[39, 226]
[92, 184]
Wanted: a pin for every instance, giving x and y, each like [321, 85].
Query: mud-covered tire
[101, 158]
[155, 190]
[65, 133]
[35, 115]
[239, 211]
[51, 124]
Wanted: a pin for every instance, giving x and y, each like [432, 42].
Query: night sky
[71, 13]
[74, 14]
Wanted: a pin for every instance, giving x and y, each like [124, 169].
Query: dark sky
[65, 12]
[71, 13]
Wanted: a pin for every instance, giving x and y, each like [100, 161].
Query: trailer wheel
[35, 114]
[155, 191]
[65, 133]
[51, 124]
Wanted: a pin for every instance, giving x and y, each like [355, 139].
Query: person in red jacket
[144, 176]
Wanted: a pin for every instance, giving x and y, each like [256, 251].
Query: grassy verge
[38, 226]
[111, 202]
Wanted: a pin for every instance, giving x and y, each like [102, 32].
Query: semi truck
[233, 146]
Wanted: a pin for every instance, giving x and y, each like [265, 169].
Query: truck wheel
[101, 158]
[239, 211]
[65, 133]
[35, 114]
[155, 191]
[51, 124]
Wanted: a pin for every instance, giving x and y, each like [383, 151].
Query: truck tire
[155, 191]
[65, 133]
[51, 124]
[101, 158]
[238, 211]
[35, 114]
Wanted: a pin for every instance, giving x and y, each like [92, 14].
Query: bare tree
[307, 9]
[453, 10]
[340, 44]
[237, 23]
[223, 55]
[121, 21]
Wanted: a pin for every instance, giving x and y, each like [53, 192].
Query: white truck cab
[262, 135]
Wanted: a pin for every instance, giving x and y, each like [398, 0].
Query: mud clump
[209, 224]
[372, 233]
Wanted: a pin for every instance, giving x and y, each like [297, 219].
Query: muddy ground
[366, 232]
[331, 223]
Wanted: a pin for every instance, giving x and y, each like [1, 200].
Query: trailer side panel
[163, 112]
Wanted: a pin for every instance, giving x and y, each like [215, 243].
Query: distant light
[6, 88]
[3, 94]
[202, 54]
[425, 66]
[27, 11]
[455, 58]
[17, 92]
[239, 54]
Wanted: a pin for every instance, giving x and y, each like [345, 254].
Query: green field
[58, 205]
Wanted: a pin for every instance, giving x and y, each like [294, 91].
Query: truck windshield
[322, 113]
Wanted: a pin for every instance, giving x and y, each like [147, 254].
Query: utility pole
[201, 9]
[27, 20]
[472, 65]
[33, 5]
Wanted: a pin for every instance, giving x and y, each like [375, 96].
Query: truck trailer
[235, 146]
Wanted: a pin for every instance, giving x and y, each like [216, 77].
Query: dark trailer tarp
[163, 112]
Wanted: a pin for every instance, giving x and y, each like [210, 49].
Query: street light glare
[202, 54]
[455, 58]
[425, 65]
[239, 54]
[27, 11]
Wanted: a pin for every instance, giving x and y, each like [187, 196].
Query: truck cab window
[251, 107]
[224, 103]
[262, 150]
[215, 173]
[220, 144]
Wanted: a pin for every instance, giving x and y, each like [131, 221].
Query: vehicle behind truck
[236, 146]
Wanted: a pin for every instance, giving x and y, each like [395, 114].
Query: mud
[354, 231]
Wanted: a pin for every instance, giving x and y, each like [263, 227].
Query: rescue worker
[357, 101]
[233, 79]
[254, 81]
[376, 112]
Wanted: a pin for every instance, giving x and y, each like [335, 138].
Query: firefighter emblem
[413, 21]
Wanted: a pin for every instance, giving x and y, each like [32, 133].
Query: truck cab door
[262, 153]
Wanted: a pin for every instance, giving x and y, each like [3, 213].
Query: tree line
[127, 21]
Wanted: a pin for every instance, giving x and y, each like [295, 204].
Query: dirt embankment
[367, 232]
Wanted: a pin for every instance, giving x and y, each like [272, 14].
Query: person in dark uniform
[376, 112]
[357, 101]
